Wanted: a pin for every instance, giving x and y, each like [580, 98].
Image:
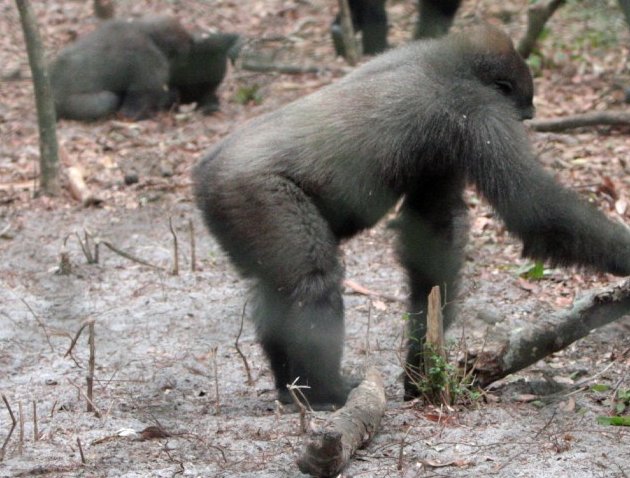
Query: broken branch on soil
[600, 118]
[556, 332]
[328, 450]
[13, 424]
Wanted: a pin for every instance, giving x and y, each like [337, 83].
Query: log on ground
[329, 449]
[551, 334]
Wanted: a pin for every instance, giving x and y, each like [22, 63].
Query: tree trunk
[46, 119]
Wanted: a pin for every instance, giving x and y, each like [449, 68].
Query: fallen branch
[600, 118]
[551, 334]
[328, 450]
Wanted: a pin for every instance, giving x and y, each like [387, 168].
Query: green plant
[248, 94]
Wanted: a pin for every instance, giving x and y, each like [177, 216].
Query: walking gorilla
[122, 66]
[418, 122]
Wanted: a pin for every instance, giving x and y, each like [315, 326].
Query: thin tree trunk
[46, 119]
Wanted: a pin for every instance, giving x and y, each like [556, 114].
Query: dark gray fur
[419, 122]
[121, 66]
[196, 75]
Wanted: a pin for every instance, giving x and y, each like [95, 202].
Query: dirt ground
[165, 345]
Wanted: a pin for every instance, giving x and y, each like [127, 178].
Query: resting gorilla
[419, 122]
[196, 75]
[122, 66]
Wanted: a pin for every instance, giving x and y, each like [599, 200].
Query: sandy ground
[165, 344]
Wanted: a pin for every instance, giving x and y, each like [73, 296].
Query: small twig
[81, 451]
[401, 452]
[177, 462]
[213, 352]
[175, 270]
[84, 324]
[359, 289]
[40, 323]
[294, 389]
[35, 428]
[14, 423]
[81, 393]
[131, 257]
[193, 250]
[250, 380]
[91, 364]
[367, 334]
[21, 436]
[85, 247]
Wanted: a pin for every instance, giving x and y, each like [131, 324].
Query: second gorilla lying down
[137, 68]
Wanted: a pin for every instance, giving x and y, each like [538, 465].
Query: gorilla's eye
[505, 86]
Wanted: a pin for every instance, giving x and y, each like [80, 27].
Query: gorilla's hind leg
[287, 247]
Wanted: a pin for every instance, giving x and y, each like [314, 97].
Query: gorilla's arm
[553, 222]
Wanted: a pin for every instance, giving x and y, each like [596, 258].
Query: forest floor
[165, 345]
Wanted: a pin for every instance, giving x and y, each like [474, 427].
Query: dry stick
[551, 334]
[175, 248]
[126, 255]
[81, 393]
[40, 323]
[292, 388]
[250, 380]
[81, 450]
[84, 324]
[601, 118]
[359, 289]
[85, 247]
[91, 362]
[327, 451]
[21, 438]
[14, 423]
[35, 431]
[213, 352]
[193, 250]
